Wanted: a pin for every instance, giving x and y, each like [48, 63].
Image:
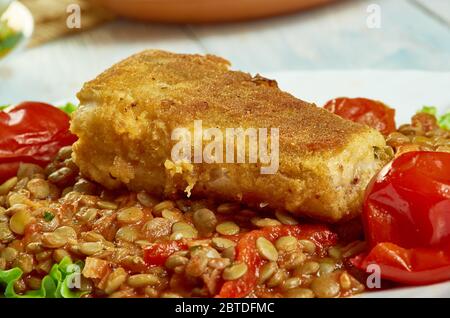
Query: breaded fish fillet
[127, 114]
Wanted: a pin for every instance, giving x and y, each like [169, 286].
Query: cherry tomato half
[407, 219]
[365, 111]
[31, 132]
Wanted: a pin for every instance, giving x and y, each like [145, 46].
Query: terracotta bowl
[203, 11]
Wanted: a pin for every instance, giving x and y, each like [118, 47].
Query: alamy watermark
[373, 20]
[74, 276]
[237, 145]
[373, 281]
[73, 20]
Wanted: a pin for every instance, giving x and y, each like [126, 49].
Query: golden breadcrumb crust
[127, 114]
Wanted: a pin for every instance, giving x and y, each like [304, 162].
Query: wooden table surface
[414, 34]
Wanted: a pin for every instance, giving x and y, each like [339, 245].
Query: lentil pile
[52, 213]
[136, 245]
[423, 134]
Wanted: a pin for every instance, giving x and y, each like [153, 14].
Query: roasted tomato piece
[31, 132]
[157, 253]
[407, 219]
[365, 111]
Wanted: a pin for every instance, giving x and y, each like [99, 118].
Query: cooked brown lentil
[227, 228]
[235, 271]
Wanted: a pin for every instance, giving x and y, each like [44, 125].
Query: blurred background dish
[16, 28]
[202, 11]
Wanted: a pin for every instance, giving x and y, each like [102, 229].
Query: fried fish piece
[127, 114]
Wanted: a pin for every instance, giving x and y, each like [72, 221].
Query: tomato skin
[408, 203]
[406, 218]
[31, 132]
[157, 253]
[365, 111]
[247, 253]
[417, 266]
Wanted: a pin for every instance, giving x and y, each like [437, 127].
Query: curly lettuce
[68, 108]
[443, 121]
[54, 285]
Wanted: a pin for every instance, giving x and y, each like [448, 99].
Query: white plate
[20, 19]
[406, 91]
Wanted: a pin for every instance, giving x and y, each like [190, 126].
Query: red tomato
[407, 219]
[246, 252]
[31, 132]
[157, 253]
[365, 111]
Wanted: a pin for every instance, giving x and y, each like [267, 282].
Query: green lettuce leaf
[54, 285]
[444, 121]
[429, 110]
[68, 108]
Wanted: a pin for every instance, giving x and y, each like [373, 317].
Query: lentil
[24, 262]
[277, 278]
[229, 252]
[6, 186]
[157, 209]
[228, 208]
[127, 233]
[142, 280]
[310, 268]
[175, 260]
[59, 254]
[308, 246]
[18, 198]
[173, 215]
[345, 281]
[53, 240]
[285, 218]
[6, 235]
[106, 205]
[292, 282]
[266, 249]
[39, 188]
[334, 252]
[264, 222]
[61, 176]
[130, 215]
[325, 287]
[222, 243]
[205, 221]
[115, 279]
[84, 186]
[267, 270]
[146, 200]
[227, 228]
[286, 243]
[235, 271]
[9, 254]
[326, 268]
[299, 293]
[20, 220]
[91, 248]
